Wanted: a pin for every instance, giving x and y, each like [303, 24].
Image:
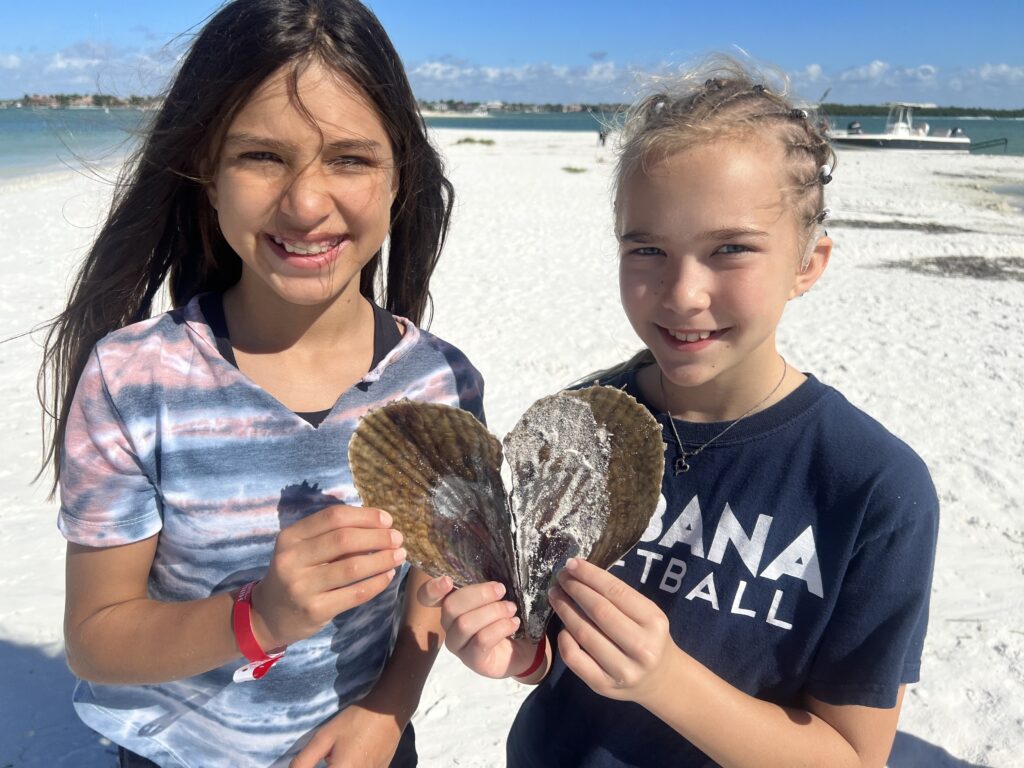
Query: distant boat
[901, 133]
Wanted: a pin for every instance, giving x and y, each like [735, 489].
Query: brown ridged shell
[635, 472]
[436, 470]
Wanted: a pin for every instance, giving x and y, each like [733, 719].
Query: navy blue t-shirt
[794, 557]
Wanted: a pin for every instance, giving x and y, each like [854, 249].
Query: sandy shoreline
[898, 324]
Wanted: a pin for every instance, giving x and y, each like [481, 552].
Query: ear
[814, 268]
[209, 183]
[395, 181]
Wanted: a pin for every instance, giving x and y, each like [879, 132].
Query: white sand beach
[919, 320]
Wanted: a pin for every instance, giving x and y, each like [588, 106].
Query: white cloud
[812, 73]
[999, 74]
[873, 82]
[877, 81]
[602, 72]
[924, 73]
[88, 67]
[601, 80]
[440, 70]
[92, 66]
[872, 72]
[61, 62]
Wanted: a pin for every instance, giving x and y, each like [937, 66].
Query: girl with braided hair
[775, 608]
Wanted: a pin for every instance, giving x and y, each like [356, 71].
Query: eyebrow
[344, 145]
[726, 233]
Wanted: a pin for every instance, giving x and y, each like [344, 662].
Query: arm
[617, 642]
[367, 732]
[325, 564]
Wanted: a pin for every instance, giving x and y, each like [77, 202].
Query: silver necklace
[681, 463]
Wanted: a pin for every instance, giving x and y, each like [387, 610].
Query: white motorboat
[901, 133]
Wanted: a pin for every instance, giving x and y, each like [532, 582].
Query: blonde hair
[723, 99]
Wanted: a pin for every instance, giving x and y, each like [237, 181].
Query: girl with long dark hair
[226, 603]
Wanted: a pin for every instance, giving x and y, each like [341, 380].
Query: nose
[686, 285]
[306, 201]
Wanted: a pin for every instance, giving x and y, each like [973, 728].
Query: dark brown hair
[161, 230]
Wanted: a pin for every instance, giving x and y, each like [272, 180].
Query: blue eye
[733, 248]
[647, 250]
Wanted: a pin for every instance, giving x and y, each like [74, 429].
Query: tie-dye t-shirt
[166, 436]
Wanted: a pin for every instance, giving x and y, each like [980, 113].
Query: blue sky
[944, 51]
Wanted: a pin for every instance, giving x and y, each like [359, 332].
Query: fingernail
[391, 574]
[396, 537]
[400, 554]
[571, 564]
[499, 589]
[510, 608]
[515, 620]
[385, 519]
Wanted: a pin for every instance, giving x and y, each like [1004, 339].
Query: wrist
[666, 683]
[259, 659]
[260, 630]
[536, 667]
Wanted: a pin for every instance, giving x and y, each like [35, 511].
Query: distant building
[38, 100]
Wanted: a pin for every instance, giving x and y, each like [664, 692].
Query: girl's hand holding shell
[478, 626]
[325, 564]
[615, 639]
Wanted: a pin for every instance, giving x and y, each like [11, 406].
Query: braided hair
[722, 100]
[719, 100]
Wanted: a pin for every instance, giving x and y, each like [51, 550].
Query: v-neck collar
[212, 329]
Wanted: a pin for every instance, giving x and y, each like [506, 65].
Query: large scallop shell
[436, 470]
[586, 473]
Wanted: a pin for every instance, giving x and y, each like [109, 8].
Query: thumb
[431, 593]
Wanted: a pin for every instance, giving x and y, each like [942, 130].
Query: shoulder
[148, 337]
[861, 437]
[155, 351]
[445, 348]
[448, 355]
[619, 378]
[444, 372]
[864, 456]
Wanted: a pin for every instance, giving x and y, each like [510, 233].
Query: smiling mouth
[306, 248]
[690, 337]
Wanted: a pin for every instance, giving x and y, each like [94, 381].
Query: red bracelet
[259, 660]
[538, 658]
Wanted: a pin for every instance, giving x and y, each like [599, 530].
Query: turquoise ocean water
[40, 140]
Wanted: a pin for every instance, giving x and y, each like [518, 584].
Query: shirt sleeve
[875, 636]
[106, 497]
[469, 384]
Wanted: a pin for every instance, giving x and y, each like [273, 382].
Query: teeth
[308, 249]
[699, 336]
